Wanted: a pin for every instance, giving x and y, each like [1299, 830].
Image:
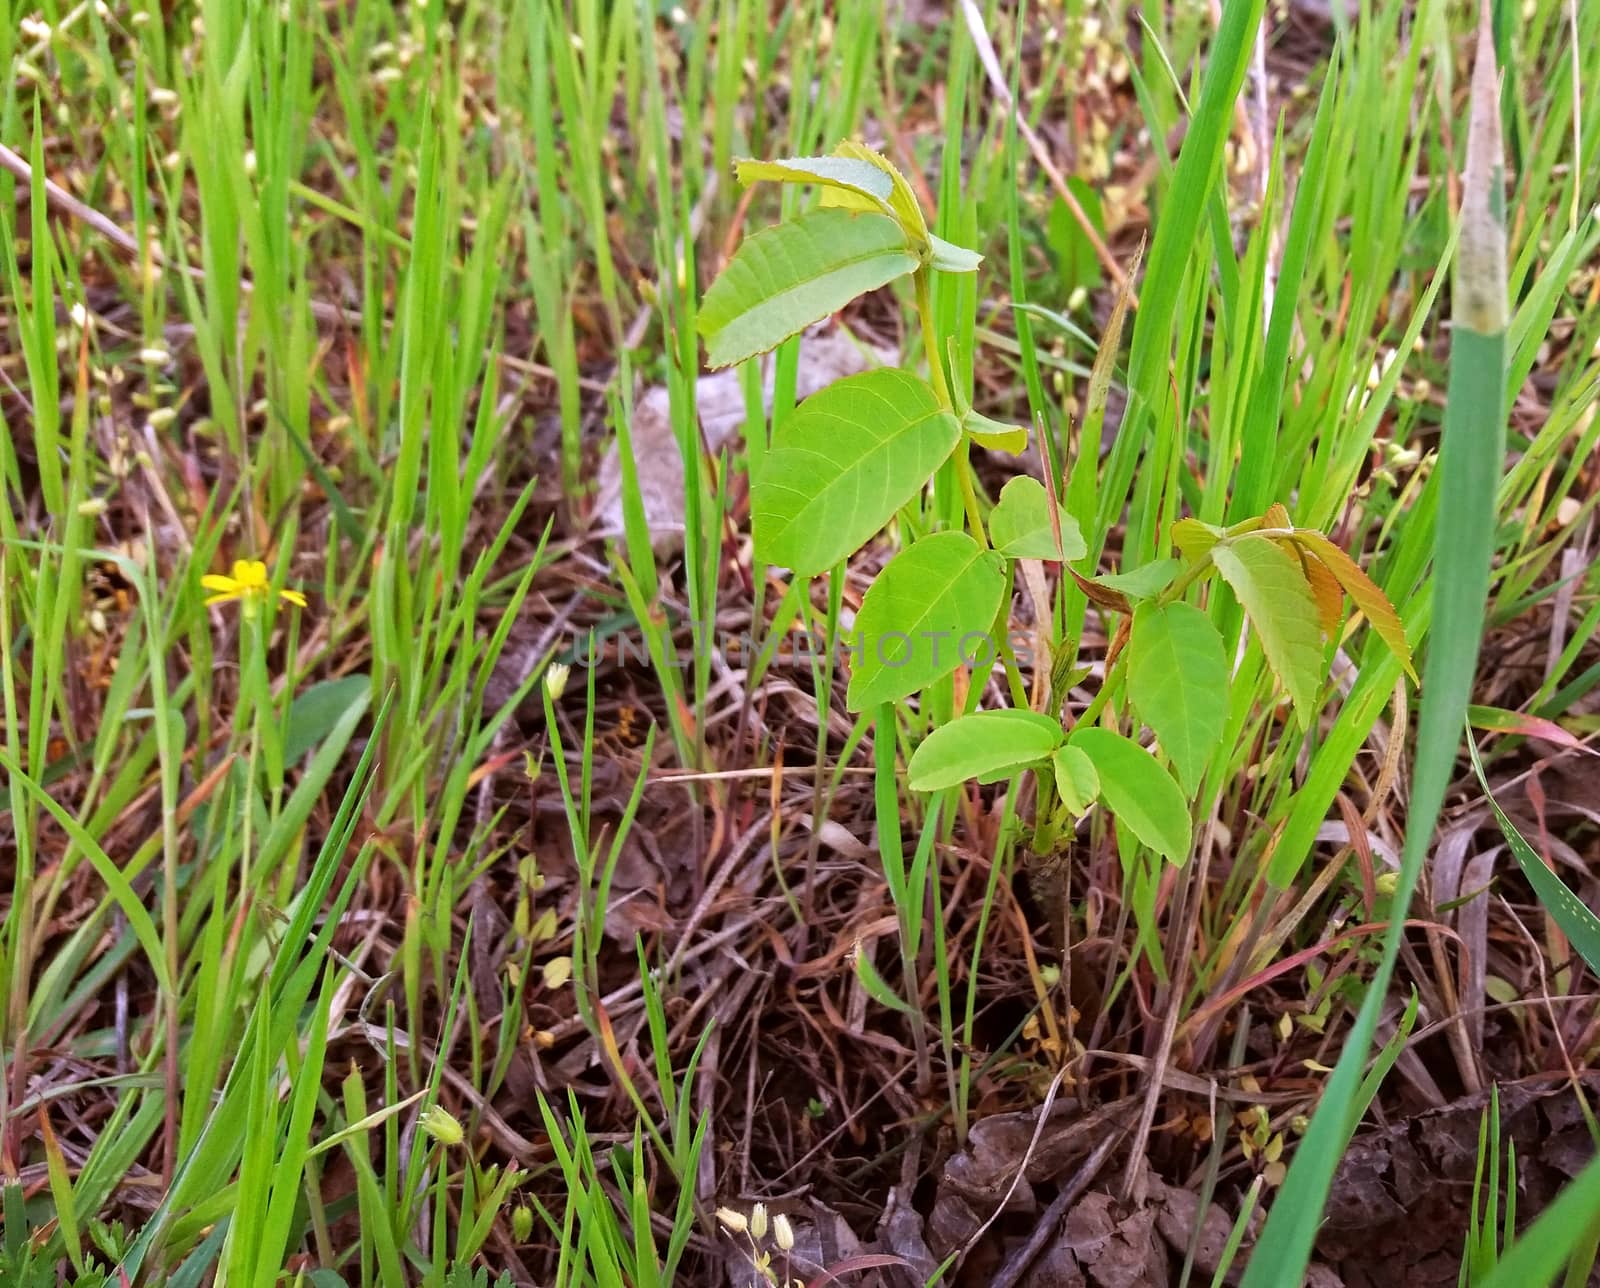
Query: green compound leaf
[1138, 791]
[986, 745]
[786, 277]
[1283, 611]
[1020, 524]
[928, 612]
[843, 463]
[1178, 682]
[1144, 582]
[1077, 783]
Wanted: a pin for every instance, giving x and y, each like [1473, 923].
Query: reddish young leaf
[1361, 588]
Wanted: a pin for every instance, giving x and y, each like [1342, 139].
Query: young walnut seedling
[854, 455]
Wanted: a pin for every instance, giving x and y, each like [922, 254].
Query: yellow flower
[247, 583]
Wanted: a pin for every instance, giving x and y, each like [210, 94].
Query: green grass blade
[1471, 457]
[1577, 923]
[1542, 1250]
[1177, 234]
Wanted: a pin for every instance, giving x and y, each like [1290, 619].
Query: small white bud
[555, 680]
[782, 1232]
[758, 1221]
[733, 1222]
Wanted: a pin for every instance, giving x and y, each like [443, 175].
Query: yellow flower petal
[251, 574]
[216, 581]
[294, 597]
[227, 598]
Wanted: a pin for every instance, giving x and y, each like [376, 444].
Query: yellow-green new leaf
[1178, 683]
[994, 434]
[987, 746]
[928, 612]
[848, 174]
[1020, 525]
[1278, 600]
[1194, 539]
[843, 463]
[841, 198]
[1364, 591]
[901, 199]
[784, 278]
[1077, 783]
[1138, 791]
[950, 258]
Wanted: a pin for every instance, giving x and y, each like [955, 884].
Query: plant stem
[969, 496]
[1044, 813]
[1187, 578]
[1091, 713]
[930, 339]
[941, 389]
[1175, 591]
